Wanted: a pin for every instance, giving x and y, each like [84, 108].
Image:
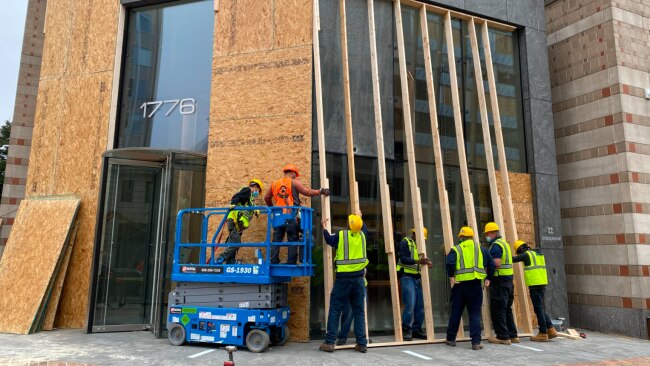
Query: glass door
[128, 275]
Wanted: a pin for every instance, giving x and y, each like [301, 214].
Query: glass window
[166, 80]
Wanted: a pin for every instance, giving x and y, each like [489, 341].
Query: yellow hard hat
[466, 231]
[491, 226]
[258, 182]
[426, 233]
[519, 243]
[355, 223]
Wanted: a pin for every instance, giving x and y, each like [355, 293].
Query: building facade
[146, 107]
[598, 56]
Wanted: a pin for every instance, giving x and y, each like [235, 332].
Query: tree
[5, 132]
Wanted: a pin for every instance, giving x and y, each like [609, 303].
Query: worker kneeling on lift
[233, 304]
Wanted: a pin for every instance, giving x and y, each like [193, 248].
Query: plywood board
[244, 26]
[262, 84]
[57, 38]
[93, 33]
[292, 23]
[53, 302]
[37, 239]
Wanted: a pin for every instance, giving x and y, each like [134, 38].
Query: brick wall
[23, 120]
[598, 52]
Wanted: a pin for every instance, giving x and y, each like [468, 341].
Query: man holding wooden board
[469, 265]
[349, 287]
[502, 291]
[408, 269]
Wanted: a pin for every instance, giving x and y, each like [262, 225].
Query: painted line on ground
[530, 348]
[418, 355]
[201, 353]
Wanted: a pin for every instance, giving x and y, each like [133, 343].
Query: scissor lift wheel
[277, 338]
[176, 334]
[257, 340]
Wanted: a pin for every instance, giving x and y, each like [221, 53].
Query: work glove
[423, 261]
[256, 213]
[325, 191]
[231, 207]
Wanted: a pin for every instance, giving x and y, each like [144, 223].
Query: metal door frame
[159, 239]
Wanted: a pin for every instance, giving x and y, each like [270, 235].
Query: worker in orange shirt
[286, 192]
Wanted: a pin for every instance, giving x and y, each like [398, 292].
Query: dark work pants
[413, 313]
[346, 319]
[501, 299]
[466, 294]
[537, 298]
[292, 230]
[234, 236]
[347, 290]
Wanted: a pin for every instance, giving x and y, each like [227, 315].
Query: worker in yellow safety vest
[502, 290]
[536, 280]
[468, 265]
[349, 287]
[408, 270]
[239, 220]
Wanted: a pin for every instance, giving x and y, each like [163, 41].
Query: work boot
[341, 341]
[540, 337]
[499, 341]
[418, 333]
[477, 347]
[406, 334]
[552, 333]
[327, 347]
[515, 340]
[361, 348]
[450, 343]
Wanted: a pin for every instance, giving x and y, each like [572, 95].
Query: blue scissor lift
[234, 304]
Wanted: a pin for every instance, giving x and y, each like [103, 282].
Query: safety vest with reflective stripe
[469, 261]
[351, 252]
[535, 273]
[505, 269]
[242, 218]
[410, 268]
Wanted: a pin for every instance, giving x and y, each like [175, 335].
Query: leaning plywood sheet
[34, 251]
[53, 302]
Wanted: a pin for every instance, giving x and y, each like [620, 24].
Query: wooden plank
[569, 336]
[352, 181]
[53, 302]
[509, 214]
[41, 229]
[384, 191]
[456, 14]
[460, 142]
[354, 192]
[414, 342]
[328, 272]
[443, 197]
[412, 169]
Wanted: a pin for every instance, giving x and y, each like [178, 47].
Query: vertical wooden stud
[511, 228]
[328, 276]
[410, 149]
[462, 159]
[387, 219]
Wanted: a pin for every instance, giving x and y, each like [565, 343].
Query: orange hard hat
[291, 168]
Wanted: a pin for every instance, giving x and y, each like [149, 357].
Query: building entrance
[142, 191]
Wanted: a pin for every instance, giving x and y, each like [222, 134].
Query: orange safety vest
[282, 190]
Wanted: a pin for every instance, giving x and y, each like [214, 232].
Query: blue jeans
[346, 319]
[537, 298]
[466, 294]
[347, 290]
[413, 314]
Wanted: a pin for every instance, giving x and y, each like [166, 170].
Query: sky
[12, 26]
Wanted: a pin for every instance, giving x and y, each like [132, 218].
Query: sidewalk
[141, 348]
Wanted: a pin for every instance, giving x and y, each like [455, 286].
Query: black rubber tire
[287, 334]
[176, 334]
[257, 340]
